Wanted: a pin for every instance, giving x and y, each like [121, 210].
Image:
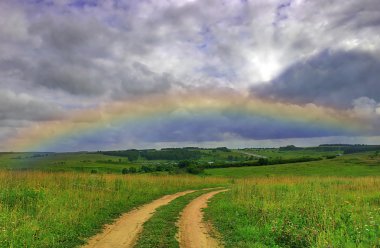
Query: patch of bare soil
[124, 231]
[193, 231]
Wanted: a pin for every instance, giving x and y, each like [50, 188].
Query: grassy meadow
[60, 199]
[351, 165]
[299, 212]
[39, 209]
[61, 162]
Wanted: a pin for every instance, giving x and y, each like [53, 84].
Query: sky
[99, 75]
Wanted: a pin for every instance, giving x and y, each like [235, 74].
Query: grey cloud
[324, 52]
[333, 78]
[84, 56]
[69, 47]
[138, 79]
[74, 79]
[13, 23]
[21, 107]
[73, 36]
[357, 15]
[181, 40]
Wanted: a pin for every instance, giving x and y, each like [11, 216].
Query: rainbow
[144, 109]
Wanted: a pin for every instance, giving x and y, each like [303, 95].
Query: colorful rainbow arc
[145, 108]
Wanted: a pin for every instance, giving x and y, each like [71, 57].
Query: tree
[145, 169]
[195, 169]
[184, 164]
[263, 161]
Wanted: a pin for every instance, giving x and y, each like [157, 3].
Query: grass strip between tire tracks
[160, 230]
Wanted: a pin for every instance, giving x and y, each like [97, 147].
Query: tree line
[164, 154]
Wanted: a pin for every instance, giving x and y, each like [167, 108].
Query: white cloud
[365, 107]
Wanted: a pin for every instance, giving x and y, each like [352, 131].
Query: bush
[262, 161]
[195, 169]
[145, 169]
[183, 164]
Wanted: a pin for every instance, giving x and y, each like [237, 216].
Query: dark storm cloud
[332, 78]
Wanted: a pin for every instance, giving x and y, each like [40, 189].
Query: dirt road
[193, 232]
[124, 232]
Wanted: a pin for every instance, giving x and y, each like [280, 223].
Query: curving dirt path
[193, 232]
[124, 232]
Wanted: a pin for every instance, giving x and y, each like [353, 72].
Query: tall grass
[39, 209]
[299, 212]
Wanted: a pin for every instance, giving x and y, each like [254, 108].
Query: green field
[320, 162]
[39, 209]
[99, 162]
[278, 153]
[80, 162]
[60, 199]
[299, 212]
[351, 165]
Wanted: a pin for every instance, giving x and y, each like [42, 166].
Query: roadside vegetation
[299, 212]
[39, 209]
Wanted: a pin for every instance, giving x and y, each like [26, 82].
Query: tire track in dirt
[193, 231]
[124, 231]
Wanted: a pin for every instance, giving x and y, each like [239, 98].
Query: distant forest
[164, 154]
[344, 148]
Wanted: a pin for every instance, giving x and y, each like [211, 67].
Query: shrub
[195, 169]
[184, 164]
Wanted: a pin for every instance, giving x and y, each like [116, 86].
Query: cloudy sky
[59, 58]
